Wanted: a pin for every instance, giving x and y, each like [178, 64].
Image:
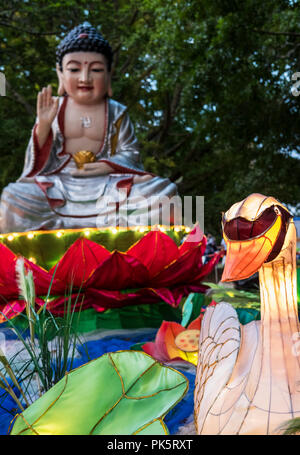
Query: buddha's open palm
[47, 106]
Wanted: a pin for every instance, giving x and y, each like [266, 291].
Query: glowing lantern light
[247, 382]
[104, 274]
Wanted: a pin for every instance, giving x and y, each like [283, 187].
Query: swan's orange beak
[245, 257]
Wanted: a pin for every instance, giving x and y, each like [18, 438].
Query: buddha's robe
[47, 196]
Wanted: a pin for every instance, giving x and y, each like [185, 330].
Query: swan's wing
[218, 349]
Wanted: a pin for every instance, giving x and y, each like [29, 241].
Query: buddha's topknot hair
[84, 38]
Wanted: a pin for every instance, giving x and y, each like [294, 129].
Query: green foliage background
[208, 87]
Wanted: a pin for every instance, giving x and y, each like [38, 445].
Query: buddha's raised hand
[47, 106]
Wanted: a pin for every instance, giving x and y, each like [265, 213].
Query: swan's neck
[279, 313]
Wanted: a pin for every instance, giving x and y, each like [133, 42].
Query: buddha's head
[83, 65]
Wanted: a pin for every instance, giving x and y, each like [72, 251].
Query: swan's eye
[242, 229]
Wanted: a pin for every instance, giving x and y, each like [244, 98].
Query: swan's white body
[248, 377]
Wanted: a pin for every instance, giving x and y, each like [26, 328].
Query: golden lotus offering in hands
[82, 157]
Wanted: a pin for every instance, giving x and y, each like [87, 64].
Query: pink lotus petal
[194, 238]
[11, 309]
[8, 283]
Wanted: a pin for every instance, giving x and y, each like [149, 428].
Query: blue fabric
[180, 413]
[111, 344]
[8, 408]
[174, 419]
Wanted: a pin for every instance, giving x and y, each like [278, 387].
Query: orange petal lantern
[175, 343]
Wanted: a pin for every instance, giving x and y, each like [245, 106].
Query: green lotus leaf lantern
[120, 393]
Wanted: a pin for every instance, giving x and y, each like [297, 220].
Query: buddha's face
[85, 77]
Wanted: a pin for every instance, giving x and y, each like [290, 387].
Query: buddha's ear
[61, 88]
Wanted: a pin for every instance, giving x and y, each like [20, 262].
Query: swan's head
[255, 232]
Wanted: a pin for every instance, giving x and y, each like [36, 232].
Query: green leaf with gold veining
[124, 392]
[157, 427]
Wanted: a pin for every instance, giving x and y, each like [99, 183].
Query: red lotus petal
[80, 260]
[42, 279]
[158, 348]
[162, 338]
[171, 296]
[172, 331]
[195, 238]
[58, 306]
[182, 271]
[118, 271]
[185, 290]
[208, 267]
[155, 250]
[152, 349]
[164, 348]
[175, 353]
[196, 323]
[14, 307]
[103, 299]
[8, 284]
[164, 342]
[116, 299]
[11, 309]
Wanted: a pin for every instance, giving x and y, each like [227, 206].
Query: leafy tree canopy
[207, 84]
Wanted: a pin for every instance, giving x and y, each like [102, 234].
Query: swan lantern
[248, 376]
